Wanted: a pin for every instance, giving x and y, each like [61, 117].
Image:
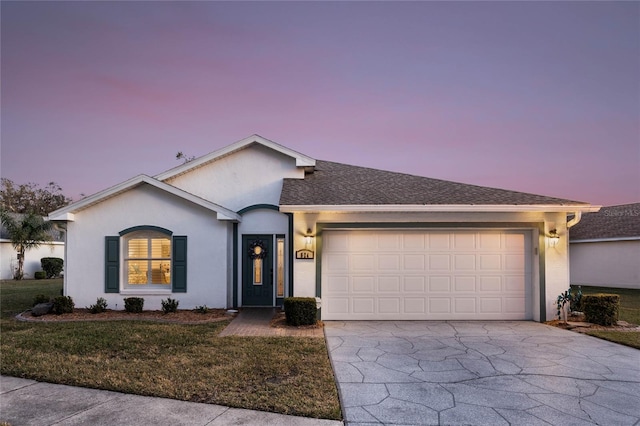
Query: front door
[257, 270]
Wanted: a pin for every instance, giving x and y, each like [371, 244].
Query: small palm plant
[26, 232]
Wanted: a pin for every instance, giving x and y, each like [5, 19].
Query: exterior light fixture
[554, 238]
[308, 237]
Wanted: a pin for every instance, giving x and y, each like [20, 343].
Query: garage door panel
[389, 284]
[389, 262]
[337, 284]
[440, 262]
[414, 262]
[464, 284]
[439, 284]
[426, 274]
[413, 284]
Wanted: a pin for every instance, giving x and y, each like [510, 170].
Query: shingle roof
[341, 184]
[621, 221]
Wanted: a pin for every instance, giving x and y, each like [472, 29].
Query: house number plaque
[304, 254]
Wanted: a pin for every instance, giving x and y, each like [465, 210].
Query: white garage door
[426, 275]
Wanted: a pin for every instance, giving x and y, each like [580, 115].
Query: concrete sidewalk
[27, 402]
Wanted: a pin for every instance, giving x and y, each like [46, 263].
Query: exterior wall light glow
[308, 237]
[554, 238]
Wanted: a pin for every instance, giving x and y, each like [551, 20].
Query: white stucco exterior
[235, 192]
[609, 263]
[9, 260]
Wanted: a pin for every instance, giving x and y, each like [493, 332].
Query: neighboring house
[9, 255]
[255, 222]
[605, 248]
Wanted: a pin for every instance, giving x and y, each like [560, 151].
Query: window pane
[160, 247]
[137, 248]
[137, 272]
[160, 272]
[257, 271]
[280, 265]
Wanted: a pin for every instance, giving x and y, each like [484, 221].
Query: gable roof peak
[301, 159]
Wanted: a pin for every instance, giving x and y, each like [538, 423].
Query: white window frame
[148, 235]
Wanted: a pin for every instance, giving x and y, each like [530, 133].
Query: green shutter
[179, 271]
[112, 265]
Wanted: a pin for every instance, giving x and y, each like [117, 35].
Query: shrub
[202, 309]
[601, 309]
[52, 266]
[133, 304]
[39, 275]
[300, 310]
[169, 305]
[40, 298]
[63, 305]
[99, 306]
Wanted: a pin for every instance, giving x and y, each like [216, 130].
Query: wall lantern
[554, 238]
[308, 238]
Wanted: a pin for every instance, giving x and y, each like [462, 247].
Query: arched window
[147, 259]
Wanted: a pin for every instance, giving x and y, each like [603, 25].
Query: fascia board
[604, 240]
[438, 208]
[66, 213]
[301, 159]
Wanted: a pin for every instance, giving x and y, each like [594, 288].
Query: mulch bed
[179, 317]
[577, 323]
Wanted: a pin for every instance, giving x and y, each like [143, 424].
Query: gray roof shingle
[341, 184]
[621, 221]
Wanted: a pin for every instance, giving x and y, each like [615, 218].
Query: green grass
[623, 337]
[185, 362]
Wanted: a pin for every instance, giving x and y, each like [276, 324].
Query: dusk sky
[540, 97]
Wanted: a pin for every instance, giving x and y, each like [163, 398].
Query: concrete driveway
[481, 373]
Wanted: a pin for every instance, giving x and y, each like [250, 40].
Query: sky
[539, 97]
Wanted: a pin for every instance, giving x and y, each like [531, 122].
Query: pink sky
[536, 97]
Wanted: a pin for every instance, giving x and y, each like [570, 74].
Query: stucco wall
[555, 269]
[248, 177]
[9, 260]
[207, 247]
[606, 264]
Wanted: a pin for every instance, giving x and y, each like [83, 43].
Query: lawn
[185, 362]
[629, 312]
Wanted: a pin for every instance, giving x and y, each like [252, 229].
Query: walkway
[257, 322]
[481, 373]
[26, 402]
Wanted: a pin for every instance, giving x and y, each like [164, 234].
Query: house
[255, 222]
[605, 248]
[9, 255]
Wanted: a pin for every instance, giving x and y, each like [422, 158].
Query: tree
[25, 232]
[184, 157]
[30, 198]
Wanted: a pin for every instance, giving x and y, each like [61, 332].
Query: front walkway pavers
[477, 373]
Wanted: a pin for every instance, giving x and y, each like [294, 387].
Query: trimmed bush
[52, 266]
[99, 306]
[169, 305]
[39, 275]
[133, 304]
[300, 310]
[63, 305]
[40, 298]
[201, 309]
[601, 309]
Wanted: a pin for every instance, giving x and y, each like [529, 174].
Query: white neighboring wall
[606, 263]
[9, 258]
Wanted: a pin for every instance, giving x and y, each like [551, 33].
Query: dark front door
[257, 270]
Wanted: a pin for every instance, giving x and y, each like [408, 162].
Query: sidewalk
[27, 402]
